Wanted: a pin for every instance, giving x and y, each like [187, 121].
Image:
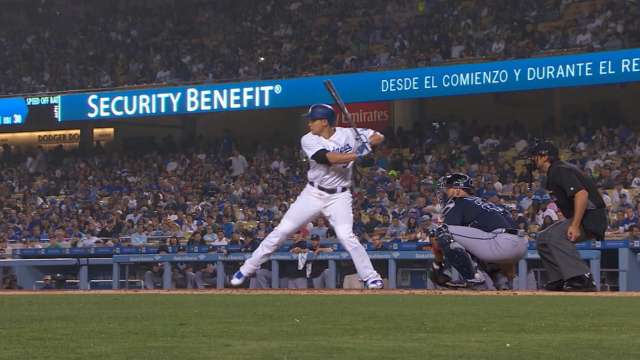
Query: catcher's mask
[454, 181]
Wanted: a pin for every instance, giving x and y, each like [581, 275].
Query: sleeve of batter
[568, 181]
[311, 145]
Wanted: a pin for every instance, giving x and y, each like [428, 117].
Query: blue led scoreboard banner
[514, 75]
[15, 110]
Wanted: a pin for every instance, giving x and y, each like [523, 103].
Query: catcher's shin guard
[455, 255]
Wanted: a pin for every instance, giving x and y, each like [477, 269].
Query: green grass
[152, 327]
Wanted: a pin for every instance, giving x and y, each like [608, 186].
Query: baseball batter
[472, 225]
[332, 152]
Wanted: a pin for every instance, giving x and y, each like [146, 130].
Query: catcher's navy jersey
[474, 212]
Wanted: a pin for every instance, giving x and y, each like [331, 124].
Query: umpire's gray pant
[559, 255]
[495, 247]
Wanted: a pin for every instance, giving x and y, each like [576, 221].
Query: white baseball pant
[311, 202]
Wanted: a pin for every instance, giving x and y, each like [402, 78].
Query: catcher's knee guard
[455, 254]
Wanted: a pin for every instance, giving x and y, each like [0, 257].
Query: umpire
[577, 196]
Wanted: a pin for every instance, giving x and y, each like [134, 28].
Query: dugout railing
[31, 264]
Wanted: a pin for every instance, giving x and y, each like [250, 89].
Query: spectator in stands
[635, 183]
[618, 223]
[139, 237]
[238, 164]
[546, 222]
[153, 277]
[634, 232]
[213, 60]
[412, 224]
[320, 229]
[249, 243]
[521, 222]
[172, 242]
[170, 199]
[221, 238]
[630, 218]
[426, 224]
[235, 241]
[58, 241]
[210, 235]
[397, 229]
[196, 240]
[36, 234]
[227, 224]
[109, 230]
[3, 247]
[88, 241]
[546, 211]
[408, 180]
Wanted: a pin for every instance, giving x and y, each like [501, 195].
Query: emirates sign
[371, 115]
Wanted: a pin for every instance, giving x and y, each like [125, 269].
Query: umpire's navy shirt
[474, 212]
[564, 181]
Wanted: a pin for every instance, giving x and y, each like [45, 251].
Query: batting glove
[363, 150]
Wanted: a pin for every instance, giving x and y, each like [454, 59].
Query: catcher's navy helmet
[457, 180]
[321, 111]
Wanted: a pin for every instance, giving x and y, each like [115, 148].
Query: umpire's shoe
[557, 285]
[580, 283]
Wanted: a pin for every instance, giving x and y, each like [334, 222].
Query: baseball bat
[343, 108]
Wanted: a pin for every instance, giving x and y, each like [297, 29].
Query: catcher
[475, 227]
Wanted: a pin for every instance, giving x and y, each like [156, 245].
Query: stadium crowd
[210, 194]
[50, 46]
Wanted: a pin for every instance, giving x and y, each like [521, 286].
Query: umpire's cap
[457, 180]
[542, 148]
[321, 111]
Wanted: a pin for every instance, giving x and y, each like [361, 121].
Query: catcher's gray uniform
[482, 229]
[500, 245]
[485, 230]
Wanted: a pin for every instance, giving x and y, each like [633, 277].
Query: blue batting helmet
[321, 111]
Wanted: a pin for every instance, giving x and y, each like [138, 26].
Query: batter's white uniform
[313, 201]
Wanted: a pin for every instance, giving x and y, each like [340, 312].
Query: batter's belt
[339, 189]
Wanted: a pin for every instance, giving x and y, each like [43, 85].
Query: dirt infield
[324, 292]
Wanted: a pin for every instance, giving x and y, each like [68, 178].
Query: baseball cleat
[458, 283]
[580, 283]
[375, 284]
[238, 278]
[557, 285]
[466, 283]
